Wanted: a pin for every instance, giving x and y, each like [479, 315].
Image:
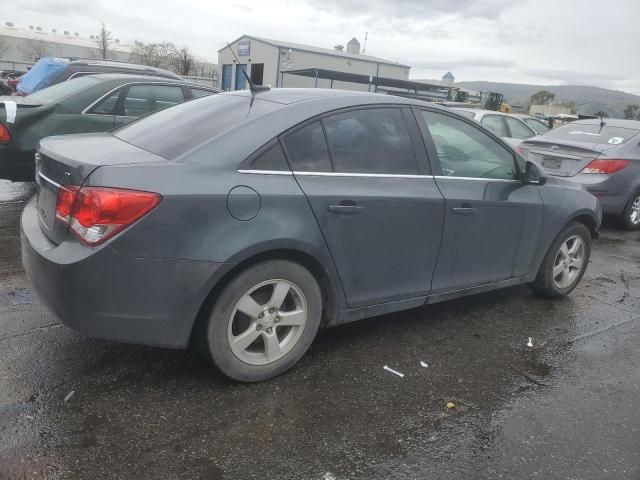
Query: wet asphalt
[566, 408]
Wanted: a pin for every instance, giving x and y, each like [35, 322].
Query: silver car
[509, 127]
[537, 124]
[602, 155]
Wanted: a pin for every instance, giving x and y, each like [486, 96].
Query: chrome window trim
[371, 175]
[48, 180]
[95, 102]
[267, 172]
[76, 74]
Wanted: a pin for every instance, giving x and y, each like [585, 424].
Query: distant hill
[588, 99]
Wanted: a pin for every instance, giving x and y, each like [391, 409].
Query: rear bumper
[613, 191]
[102, 294]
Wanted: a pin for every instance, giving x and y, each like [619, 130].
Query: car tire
[560, 271]
[276, 305]
[630, 219]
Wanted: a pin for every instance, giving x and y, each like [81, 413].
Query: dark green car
[92, 103]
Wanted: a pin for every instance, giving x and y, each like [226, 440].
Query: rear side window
[591, 133]
[372, 140]
[537, 125]
[307, 149]
[495, 124]
[270, 158]
[143, 99]
[172, 132]
[518, 129]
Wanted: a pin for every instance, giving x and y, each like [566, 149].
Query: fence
[20, 66]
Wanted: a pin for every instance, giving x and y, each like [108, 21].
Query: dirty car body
[289, 175]
[91, 103]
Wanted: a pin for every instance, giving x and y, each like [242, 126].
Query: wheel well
[588, 222]
[304, 259]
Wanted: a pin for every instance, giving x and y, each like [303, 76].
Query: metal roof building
[266, 61]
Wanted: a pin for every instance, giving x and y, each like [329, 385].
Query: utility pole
[364, 48]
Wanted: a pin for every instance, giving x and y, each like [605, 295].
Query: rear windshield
[62, 90]
[591, 133]
[176, 130]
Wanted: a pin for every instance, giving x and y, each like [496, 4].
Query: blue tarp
[41, 75]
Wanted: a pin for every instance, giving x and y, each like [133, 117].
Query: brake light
[5, 135]
[96, 214]
[606, 166]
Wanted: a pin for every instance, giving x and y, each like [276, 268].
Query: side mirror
[533, 175]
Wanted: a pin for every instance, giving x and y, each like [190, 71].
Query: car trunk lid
[564, 160]
[63, 162]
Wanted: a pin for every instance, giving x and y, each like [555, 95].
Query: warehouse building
[267, 62]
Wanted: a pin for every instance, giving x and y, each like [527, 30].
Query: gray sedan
[603, 156]
[241, 222]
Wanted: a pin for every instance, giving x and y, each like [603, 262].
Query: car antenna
[602, 122]
[252, 86]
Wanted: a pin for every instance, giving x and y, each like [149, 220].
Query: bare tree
[184, 61]
[34, 49]
[104, 40]
[161, 55]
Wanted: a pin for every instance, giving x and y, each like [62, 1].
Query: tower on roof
[448, 79]
[353, 46]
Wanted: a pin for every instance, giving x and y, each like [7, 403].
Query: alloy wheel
[569, 262]
[634, 215]
[267, 322]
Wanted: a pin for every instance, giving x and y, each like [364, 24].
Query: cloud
[416, 8]
[574, 77]
[451, 64]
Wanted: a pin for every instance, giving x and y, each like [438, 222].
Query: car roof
[288, 96]
[124, 77]
[611, 122]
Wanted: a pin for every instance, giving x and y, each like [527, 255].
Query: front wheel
[630, 218]
[263, 321]
[565, 262]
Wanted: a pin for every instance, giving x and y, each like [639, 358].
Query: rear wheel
[565, 262]
[263, 321]
[631, 216]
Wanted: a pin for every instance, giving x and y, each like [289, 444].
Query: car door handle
[346, 209]
[464, 211]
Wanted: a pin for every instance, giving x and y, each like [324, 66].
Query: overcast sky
[588, 42]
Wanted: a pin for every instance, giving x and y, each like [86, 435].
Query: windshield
[175, 130]
[591, 133]
[57, 92]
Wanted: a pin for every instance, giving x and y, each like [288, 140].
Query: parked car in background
[507, 126]
[49, 71]
[538, 125]
[250, 217]
[91, 103]
[603, 156]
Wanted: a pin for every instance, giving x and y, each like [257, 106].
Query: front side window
[518, 129]
[495, 124]
[143, 99]
[372, 140]
[466, 151]
[307, 149]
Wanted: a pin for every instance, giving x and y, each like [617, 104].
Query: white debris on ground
[530, 344]
[69, 396]
[393, 371]
[425, 365]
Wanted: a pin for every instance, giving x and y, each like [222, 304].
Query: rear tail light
[13, 83]
[5, 135]
[605, 166]
[96, 214]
